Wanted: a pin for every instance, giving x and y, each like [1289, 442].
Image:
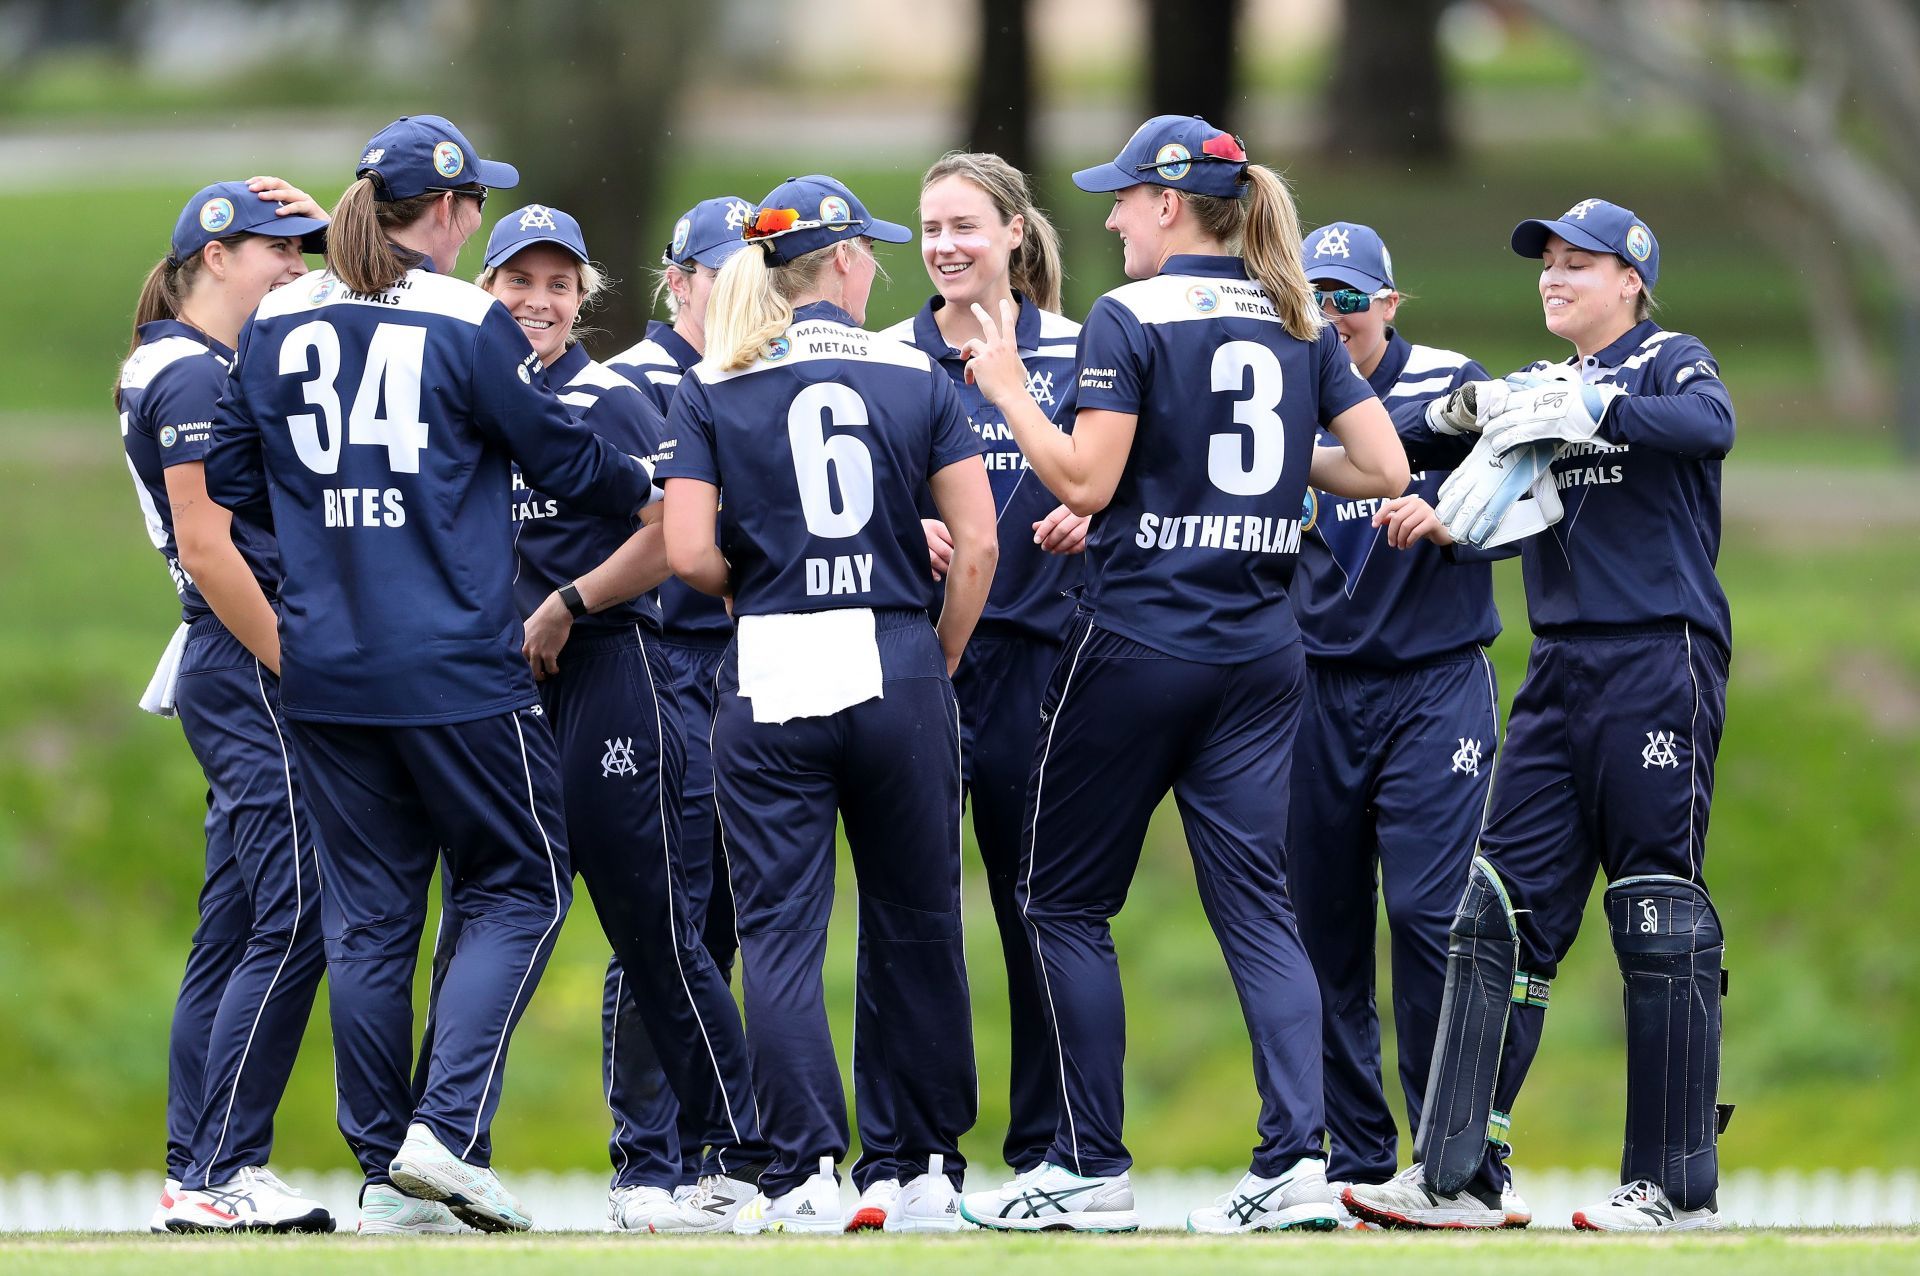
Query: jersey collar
[174, 328]
[678, 348]
[563, 370]
[1206, 264]
[1393, 361]
[823, 310]
[928, 338]
[1616, 354]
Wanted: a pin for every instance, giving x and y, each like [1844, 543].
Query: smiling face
[1140, 216]
[540, 287]
[254, 265]
[966, 247]
[1364, 333]
[1588, 298]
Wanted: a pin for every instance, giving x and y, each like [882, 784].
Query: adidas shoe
[1051, 1198]
[387, 1211]
[1641, 1206]
[426, 1170]
[1300, 1198]
[927, 1203]
[253, 1200]
[712, 1206]
[814, 1206]
[637, 1209]
[876, 1206]
[1405, 1201]
[158, 1223]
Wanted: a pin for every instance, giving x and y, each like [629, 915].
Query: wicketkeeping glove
[1556, 410]
[1484, 501]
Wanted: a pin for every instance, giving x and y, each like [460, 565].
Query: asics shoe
[387, 1211]
[637, 1209]
[876, 1206]
[1641, 1206]
[1300, 1198]
[1052, 1198]
[253, 1200]
[814, 1206]
[158, 1223]
[1405, 1201]
[927, 1203]
[425, 1169]
[711, 1207]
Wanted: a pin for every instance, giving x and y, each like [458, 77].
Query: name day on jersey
[1244, 533]
[363, 507]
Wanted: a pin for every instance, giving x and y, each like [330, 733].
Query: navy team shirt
[555, 543]
[1359, 600]
[656, 364]
[820, 448]
[1194, 554]
[379, 431]
[168, 389]
[1030, 586]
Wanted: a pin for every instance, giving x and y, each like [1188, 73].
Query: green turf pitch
[1832, 1253]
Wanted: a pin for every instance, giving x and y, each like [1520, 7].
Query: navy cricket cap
[1349, 252]
[1183, 152]
[420, 153]
[803, 214]
[1599, 227]
[709, 232]
[229, 208]
[534, 224]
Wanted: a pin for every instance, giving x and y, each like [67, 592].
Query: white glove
[1458, 412]
[1483, 502]
[1555, 410]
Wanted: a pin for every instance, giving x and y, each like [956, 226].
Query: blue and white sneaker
[387, 1211]
[426, 1170]
[1641, 1206]
[814, 1206]
[1051, 1198]
[1300, 1198]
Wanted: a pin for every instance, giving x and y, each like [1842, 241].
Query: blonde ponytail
[1264, 229]
[1036, 270]
[360, 249]
[752, 302]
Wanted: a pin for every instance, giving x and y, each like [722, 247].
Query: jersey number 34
[391, 376]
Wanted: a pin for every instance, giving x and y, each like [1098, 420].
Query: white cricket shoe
[158, 1223]
[1051, 1198]
[637, 1209]
[1300, 1198]
[426, 1170]
[387, 1211]
[1513, 1205]
[1641, 1206]
[814, 1206]
[253, 1200]
[876, 1206]
[1404, 1201]
[927, 1203]
[716, 1200]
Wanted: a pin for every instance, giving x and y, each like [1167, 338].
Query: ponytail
[161, 297]
[752, 302]
[1264, 229]
[1035, 270]
[360, 250]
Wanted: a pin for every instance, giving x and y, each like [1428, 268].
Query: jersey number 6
[392, 372]
[1235, 466]
[821, 458]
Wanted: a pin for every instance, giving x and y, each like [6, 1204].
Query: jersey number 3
[1236, 464]
[392, 373]
[823, 460]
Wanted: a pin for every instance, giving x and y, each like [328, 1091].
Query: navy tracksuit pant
[257, 957]
[654, 1142]
[1609, 760]
[621, 760]
[998, 685]
[385, 801]
[1389, 785]
[889, 767]
[1121, 725]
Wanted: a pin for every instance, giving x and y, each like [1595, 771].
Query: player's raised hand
[293, 201]
[993, 359]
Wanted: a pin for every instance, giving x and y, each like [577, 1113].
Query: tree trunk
[1387, 101]
[1193, 60]
[1001, 120]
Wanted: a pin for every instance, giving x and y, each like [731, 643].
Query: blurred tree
[1832, 142]
[1193, 59]
[41, 26]
[1387, 100]
[1001, 119]
[582, 96]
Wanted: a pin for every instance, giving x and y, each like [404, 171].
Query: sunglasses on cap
[1349, 301]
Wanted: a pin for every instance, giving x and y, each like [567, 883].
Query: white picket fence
[577, 1200]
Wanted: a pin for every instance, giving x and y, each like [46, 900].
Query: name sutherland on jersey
[1248, 533]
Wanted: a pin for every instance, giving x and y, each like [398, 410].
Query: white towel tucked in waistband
[808, 664]
[158, 697]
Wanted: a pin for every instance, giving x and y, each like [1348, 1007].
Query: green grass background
[1813, 852]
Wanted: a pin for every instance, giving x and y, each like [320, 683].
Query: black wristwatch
[570, 595]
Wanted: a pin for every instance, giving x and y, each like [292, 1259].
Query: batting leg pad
[1668, 940]
[1483, 961]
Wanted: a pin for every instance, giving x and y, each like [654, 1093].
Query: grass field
[1833, 1253]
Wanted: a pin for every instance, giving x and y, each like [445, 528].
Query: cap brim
[1530, 237]
[1102, 178]
[716, 255]
[310, 231]
[494, 175]
[1347, 275]
[507, 251]
[887, 232]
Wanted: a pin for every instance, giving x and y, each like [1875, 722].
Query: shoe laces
[887, 1189]
[262, 1175]
[1410, 1175]
[708, 1188]
[1638, 1192]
